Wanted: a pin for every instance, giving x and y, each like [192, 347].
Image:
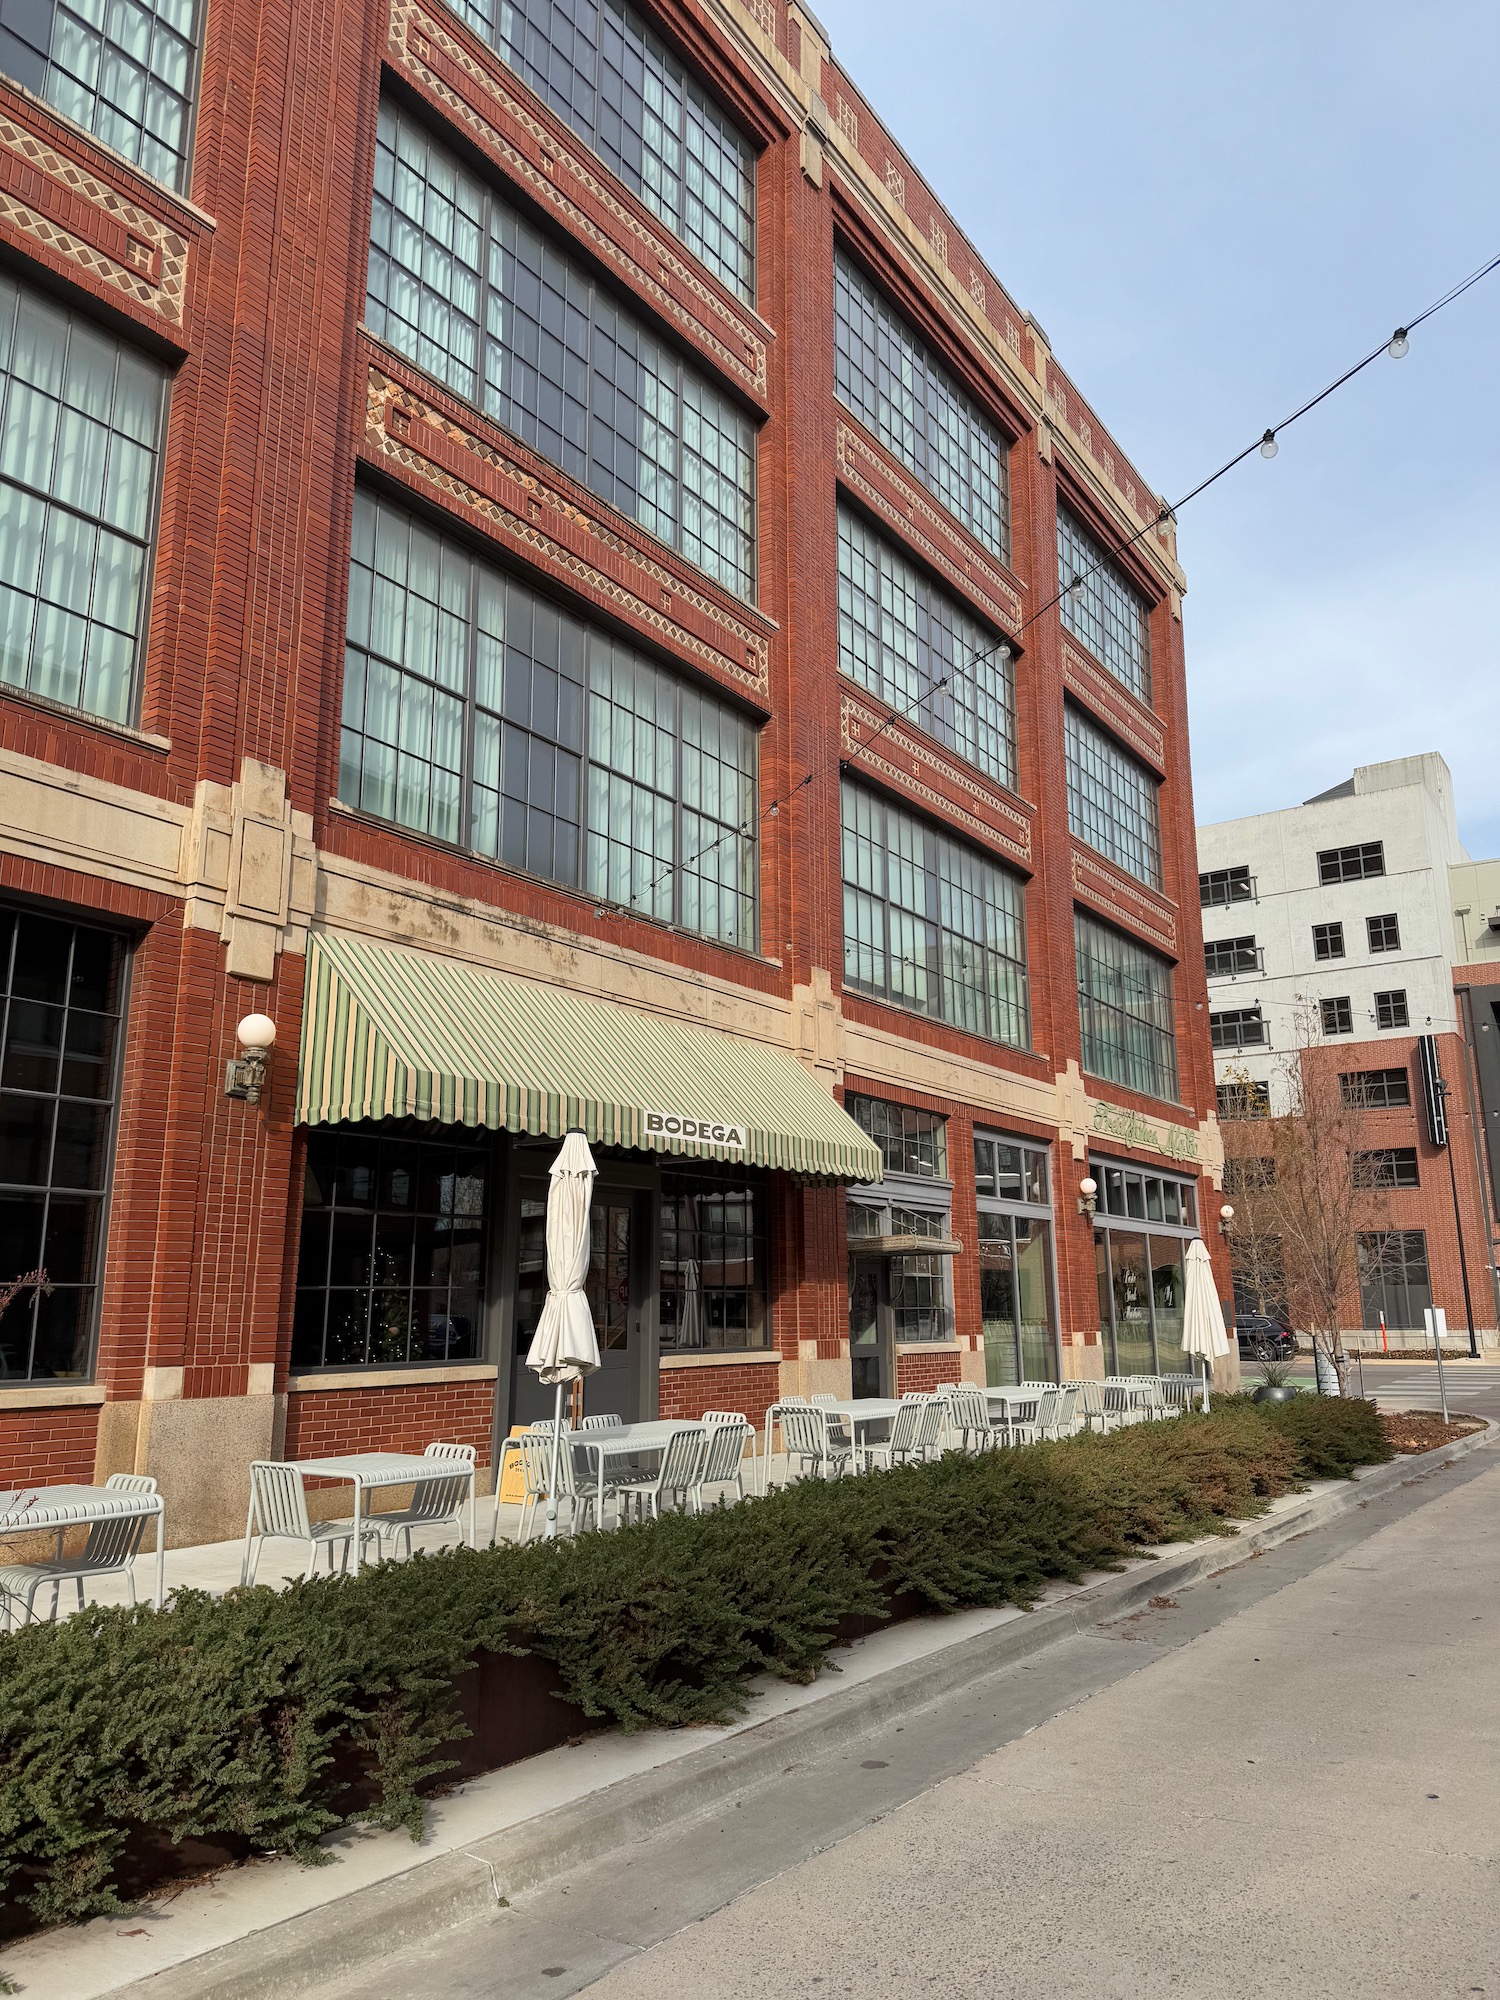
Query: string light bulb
[1268, 445]
[1399, 344]
[1075, 588]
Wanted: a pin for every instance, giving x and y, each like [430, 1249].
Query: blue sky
[1212, 211]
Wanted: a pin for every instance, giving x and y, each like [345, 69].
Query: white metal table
[60, 1507]
[368, 1471]
[626, 1441]
[859, 1412]
[1017, 1401]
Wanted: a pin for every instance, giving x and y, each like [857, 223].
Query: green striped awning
[389, 1033]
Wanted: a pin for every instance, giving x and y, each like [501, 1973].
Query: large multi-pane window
[715, 1264]
[931, 923]
[1219, 887]
[1112, 800]
[80, 427]
[1125, 1010]
[391, 1265]
[1101, 608]
[1375, 1089]
[1238, 1028]
[61, 992]
[1359, 863]
[1395, 1286]
[911, 1142]
[1015, 1260]
[900, 636]
[1141, 1276]
[480, 712]
[123, 69]
[470, 291]
[618, 86]
[889, 377]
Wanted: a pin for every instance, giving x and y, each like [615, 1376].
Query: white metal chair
[1056, 1420]
[675, 1479]
[969, 1418]
[536, 1470]
[435, 1503]
[934, 1422]
[772, 1420]
[1090, 1406]
[603, 1423]
[1178, 1392]
[808, 1437]
[278, 1508]
[902, 1446]
[724, 1458]
[839, 1429]
[110, 1550]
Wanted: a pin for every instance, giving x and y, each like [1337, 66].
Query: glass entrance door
[871, 1349]
[616, 1285]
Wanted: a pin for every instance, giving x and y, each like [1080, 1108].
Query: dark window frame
[1220, 888]
[551, 354]
[1383, 933]
[929, 388]
[1362, 861]
[708, 886]
[1242, 1098]
[1391, 1008]
[30, 1308]
[1228, 958]
[1386, 1167]
[682, 1182]
[386, 1143]
[958, 970]
[1238, 1028]
[1114, 800]
[1336, 1015]
[1328, 940]
[902, 1131]
[1128, 1033]
[1098, 612]
[1375, 1089]
[974, 712]
[548, 69]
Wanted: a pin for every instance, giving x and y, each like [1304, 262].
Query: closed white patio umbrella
[564, 1347]
[1202, 1316]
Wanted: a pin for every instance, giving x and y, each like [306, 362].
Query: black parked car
[1262, 1338]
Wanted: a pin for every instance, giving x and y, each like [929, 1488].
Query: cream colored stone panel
[71, 821]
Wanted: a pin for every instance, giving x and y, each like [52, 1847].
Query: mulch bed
[1417, 1430]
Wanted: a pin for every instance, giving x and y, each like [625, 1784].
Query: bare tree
[1301, 1202]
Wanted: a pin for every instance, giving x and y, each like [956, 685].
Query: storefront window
[1011, 1184]
[714, 1264]
[60, 998]
[1141, 1271]
[391, 1266]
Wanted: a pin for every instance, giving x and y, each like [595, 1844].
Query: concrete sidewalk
[1301, 1801]
[273, 1928]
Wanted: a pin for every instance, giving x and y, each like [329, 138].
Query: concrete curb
[333, 1941]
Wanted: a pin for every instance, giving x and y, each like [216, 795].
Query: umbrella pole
[1205, 1385]
[551, 1530]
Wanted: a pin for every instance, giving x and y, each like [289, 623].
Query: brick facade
[250, 286]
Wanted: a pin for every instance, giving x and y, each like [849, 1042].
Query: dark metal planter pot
[1274, 1392]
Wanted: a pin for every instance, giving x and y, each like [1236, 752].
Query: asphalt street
[1284, 1780]
[1473, 1386]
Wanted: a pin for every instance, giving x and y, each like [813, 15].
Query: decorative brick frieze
[1119, 711]
[1127, 902]
[479, 93]
[872, 474]
[931, 779]
[504, 491]
[61, 207]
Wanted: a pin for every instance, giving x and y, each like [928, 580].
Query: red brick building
[537, 556]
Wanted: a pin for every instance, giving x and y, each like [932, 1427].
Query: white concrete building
[1359, 916]
[1342, 906]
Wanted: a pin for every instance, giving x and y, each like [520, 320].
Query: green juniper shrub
[240, 1717]
[1332, 1434]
